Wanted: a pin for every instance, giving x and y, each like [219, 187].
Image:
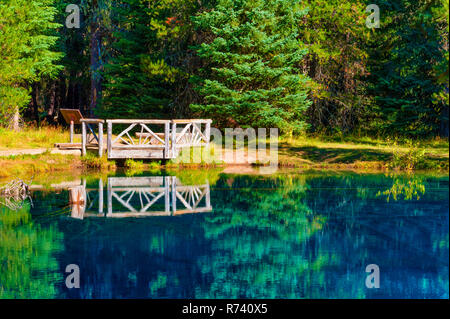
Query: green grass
[335, 152]
[28, 138]
[92, 161]
[27, 166]
[364, 153]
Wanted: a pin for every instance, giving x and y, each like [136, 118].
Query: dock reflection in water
[139, 197]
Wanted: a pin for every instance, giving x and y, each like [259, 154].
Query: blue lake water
[199, 234]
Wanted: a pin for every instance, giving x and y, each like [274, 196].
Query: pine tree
[26, 42]
[138, 80]
[336, 35]
[405, 57]
[252, 55]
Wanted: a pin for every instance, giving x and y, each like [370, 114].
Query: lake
[205, 234]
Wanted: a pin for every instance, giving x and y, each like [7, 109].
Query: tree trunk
[34, 102]
[95, 49]
[51, 110]
[15, 120]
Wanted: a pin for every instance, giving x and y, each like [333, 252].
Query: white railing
[161, 139]
[142, 197]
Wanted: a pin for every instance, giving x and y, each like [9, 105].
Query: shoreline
[297, 154]
[56, 165]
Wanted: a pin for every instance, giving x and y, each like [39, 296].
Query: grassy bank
[364, 153]
[27, 166]
[303, 153]
[29, 138]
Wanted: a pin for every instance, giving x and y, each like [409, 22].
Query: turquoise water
[212, 235]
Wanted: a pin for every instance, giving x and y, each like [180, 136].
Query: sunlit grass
[27, 166]
[27, 138]
[92, 161]
[364, 152]
[337, 152]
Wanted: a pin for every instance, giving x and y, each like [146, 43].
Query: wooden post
[174, 195]
[77, 195]
[208, 132]
[166, 139]
[174, 140]
[208, 196]
[100, 196]
[167, 194]
[83, 138]
[109, 192]
[100, 139]
[109, 139]
[71, 132]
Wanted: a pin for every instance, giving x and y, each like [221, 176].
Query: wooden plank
[186, 121]
[71, 131]
[174, 195]
[174, 140]
[183, 132]
[109, 139]
[83, 139]
[147, 189]
[100, 139]
[100, 196]
[208, 196]
[148, 214]
[68, 145]
[71, 115]
[167, 192]
[134, 215]
[154, 134]
[139, 147]
[199, 131]
[109, 199]
[166, 140]
[136, 181]
[193, 211]
[132, 126]
[160, 135]
[92, 121]
[138, 121]
[138, 154]
[92, 130]
[153, 201]
[192, 121]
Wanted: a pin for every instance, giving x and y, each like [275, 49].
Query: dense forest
[301, 66]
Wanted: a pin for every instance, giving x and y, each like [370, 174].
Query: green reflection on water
[273, 264]
[28, 266]
[280, 236]
[406, 189]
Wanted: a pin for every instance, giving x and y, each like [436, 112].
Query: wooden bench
[74, 116]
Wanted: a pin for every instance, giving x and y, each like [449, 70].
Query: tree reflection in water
[307, 235]
[29, 268]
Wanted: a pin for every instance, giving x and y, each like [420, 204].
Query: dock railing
[158, 139]
[149, 196]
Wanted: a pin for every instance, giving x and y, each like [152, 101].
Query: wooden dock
[143, 139]
[139, 197]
